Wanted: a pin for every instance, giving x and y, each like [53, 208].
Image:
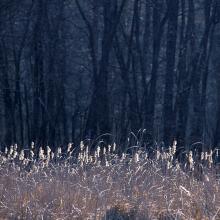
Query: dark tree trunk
[199, 77]
[10, 129]
[98, 116]
[168, 114]
[39, 116]
[187, 47]
[150, 91]
[27, 114]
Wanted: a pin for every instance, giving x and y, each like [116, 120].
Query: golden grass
[106, 187]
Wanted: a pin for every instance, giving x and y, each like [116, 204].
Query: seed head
[41, 153]
[31, 154]
[32, 145]
[114, 147]
[136, 157]
[69, 147]
[98, 151]
[6, 150]
[59, 152]
[21, 155]
[81, 145]
[104, 151]
[11, 150]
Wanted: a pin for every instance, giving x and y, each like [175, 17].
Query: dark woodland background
[77, 69]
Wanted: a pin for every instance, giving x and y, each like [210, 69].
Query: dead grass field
[105, 185]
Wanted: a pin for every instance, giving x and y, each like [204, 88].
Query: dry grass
[106, 186]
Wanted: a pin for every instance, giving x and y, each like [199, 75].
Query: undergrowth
[42, 184]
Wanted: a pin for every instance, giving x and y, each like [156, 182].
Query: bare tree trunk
[27, 114]
[98, 116]
[10, 126]
[39, 116]
[199, 77]
[150, 91]
[170, 71]
[187, 47]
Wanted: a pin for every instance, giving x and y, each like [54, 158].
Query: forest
[73, 70]
[110, 109]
